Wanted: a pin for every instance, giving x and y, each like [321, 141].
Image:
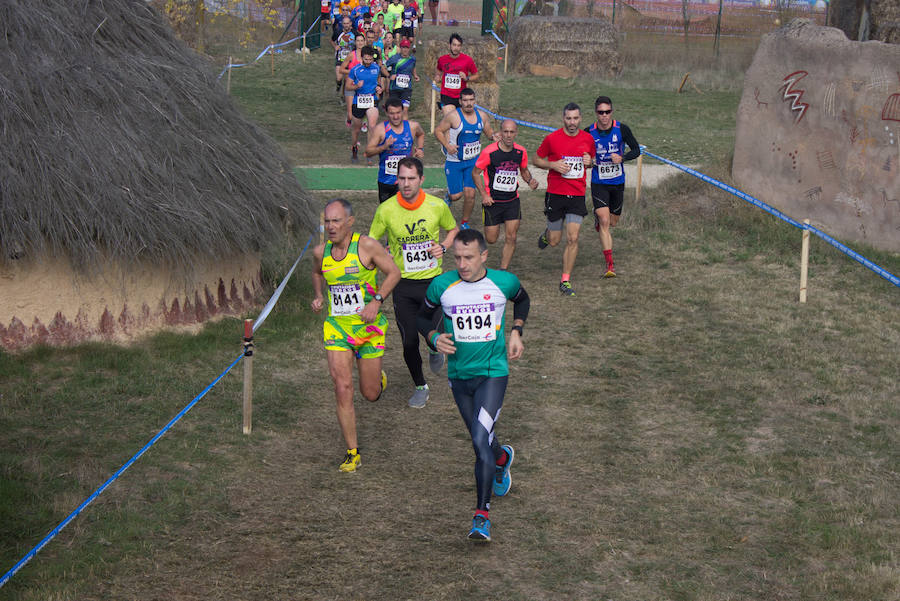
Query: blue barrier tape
[769, 209]
[496, 37]
[261, 54]
[259, 321]
[28, 556]
[313, 25]
[740, 194]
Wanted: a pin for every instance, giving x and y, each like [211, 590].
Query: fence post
[248, 376]
[303, 50]
[272, 57]
[640, 167]
[433, 107]
[228, 81]
[804, 262]
[505, 55]
[322, 228]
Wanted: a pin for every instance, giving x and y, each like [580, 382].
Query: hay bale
[482, 50]
[549, 41]
[487, 95]
[552, 71]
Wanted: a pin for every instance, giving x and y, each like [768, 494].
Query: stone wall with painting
[818, 132]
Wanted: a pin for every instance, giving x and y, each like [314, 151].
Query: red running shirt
[451, 83]
[571, 149]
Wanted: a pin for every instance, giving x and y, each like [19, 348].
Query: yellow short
[352, 334]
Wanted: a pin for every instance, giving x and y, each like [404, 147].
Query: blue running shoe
[481, 529]
[464, 225]
[502, 477]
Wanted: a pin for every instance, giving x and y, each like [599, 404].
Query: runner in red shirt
[455, 71]
[567, 153]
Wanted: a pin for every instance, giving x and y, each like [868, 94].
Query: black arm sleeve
[634, 149]
[521, 304]
[425, 320]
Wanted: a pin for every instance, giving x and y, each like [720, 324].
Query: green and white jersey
[475, 314]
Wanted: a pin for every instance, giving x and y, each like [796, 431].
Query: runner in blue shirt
[393, 140]
[363, 79]
[608, 175]
[472, 301]
[459, 133]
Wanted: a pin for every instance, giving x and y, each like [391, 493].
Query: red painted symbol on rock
[794, 95]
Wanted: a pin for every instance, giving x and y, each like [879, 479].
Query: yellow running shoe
[351, 462]
[610, 274]
[383, 381]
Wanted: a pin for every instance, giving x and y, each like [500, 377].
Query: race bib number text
[473, 323]
[609, 170]
[576, 167]
[390, 164]
[471, 150]
[416, 257]
[506, 181]
[365, 101]
[346, 299]
[402, 81]
[452, 81]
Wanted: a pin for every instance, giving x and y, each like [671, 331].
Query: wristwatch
[518, 329]
[378, 297]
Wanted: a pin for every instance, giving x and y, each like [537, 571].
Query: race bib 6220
[506, 181]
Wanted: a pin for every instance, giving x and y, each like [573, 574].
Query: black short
[358, 112]
[407, 32]
[608, 195]
[557, 206]
[403, 94]
[445, 100]
[501, 212]
[385, 191]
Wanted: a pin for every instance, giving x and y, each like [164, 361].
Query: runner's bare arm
[376, 144]
[440, 132]
[529, 179]
[377, 255]
[419, 139]
[478, 178]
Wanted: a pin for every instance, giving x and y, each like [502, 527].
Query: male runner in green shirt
[472, 301]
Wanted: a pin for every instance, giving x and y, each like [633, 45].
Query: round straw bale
[587, 47]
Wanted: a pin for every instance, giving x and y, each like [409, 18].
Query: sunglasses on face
[604, 112]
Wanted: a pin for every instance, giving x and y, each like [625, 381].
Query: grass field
[684, 431]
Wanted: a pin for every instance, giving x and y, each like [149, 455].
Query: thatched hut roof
[116, 141]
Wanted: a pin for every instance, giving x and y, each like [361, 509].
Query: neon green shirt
[411, 232]
[392, 13]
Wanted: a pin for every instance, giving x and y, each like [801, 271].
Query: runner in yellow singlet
[355, 327]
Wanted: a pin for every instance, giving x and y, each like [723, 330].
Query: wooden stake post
[248, 376]
[322, 228]
[303, 50]
[272, 57]
[228, 81]
[804, 262]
